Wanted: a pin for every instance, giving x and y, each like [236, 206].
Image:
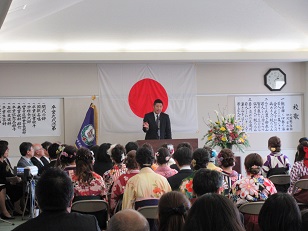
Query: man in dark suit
[157, 124]
[183, 158]
[27, 152]
[36, 159]
[54, 192]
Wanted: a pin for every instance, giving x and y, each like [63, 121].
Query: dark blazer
[60, 220]
[38, 164]
[44, 160]
[176, 180]
[165, 126]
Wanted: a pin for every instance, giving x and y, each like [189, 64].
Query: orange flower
[157, 190]
[189, 186]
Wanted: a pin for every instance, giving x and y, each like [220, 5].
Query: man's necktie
[158, 126]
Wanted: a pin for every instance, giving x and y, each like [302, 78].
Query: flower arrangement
[226, 132]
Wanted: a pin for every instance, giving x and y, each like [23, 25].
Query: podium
[156, 144]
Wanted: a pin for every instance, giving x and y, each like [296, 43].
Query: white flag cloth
[120, 84]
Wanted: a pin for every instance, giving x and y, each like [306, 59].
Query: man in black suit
[54, 191]
[157, 124]
[36, 159]
[183, 158]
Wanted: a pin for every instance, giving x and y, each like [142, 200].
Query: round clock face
[275, 79]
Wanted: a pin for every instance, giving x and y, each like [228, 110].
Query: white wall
[217, 85]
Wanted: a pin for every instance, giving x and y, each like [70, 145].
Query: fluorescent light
[272, 46]
[213, 46]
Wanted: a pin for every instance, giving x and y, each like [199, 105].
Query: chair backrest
[251, 207]
[98, 208]
[303, 184]
[149, 212]
[280, 179]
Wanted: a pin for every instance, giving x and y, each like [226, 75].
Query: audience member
[36, 159]
[53, 152]
[213, 212]
[54, 192]
[131, 146]
[119, 185]
[103, 161]
[299, 142]
[181, 145]
[211, 165]
[276, 163]
[85, 181]
[27, 152]
[117, 153]
[45, 158]
[304, 214]
[67, 160]
[201, 158]
[182, 157]
[162, 158]
[280, 212]
[299, 171]
[128, 220]
[146, 187]
[172, 211]
[254, 187]
[94, 149]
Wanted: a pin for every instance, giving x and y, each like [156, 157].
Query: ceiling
[114, 30]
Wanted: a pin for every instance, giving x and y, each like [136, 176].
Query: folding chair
[149, 212]
[251, 212]
[98, 208]
[301, 184]
[281, 182]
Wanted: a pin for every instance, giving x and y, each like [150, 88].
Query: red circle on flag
[143, 94]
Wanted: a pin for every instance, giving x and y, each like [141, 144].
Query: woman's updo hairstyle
[253, 163]
[274, 144]
[118, 153]
[226, 158]
[130, 160]
[162, 155]
[84, 165]
[68, 155]
[201, 157]
[144, 157]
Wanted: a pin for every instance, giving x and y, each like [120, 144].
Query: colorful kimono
[113, 174]
[166, 171]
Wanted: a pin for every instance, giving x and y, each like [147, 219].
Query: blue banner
[87, 134]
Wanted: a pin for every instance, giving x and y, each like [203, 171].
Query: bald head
[128, 220]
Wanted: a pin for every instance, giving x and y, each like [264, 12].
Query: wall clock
[275, 79]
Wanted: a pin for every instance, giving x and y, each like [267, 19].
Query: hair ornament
[64, 154]
[156, 153]
[122, 157]
[255, 167]
[59, 150]
[213, 153]
[167, 158]
[84, 157]
[193, 162]
[273, 149]
[181, 210]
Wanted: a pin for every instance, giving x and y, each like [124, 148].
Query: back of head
[274, 144]
[184, 144]
[144, 157]
[301, 152]
[280, 212]
[304, 219]
[128, 219]
[24, 147]
[162, 155]
[131, 146]
[253, 163]
[226, 158]
[102, 155]
[183, 156]
[207, 181]
[84, 165]
[130, 160]
[148, 146]
[118, 153]
[54, 190]
[94, 149]
[172, 211]
[4, 145]
[53, 150]
[201, 158]
[213, 212]
[68, 155]
[46, 145]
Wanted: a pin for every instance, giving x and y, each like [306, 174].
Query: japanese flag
[127, 93]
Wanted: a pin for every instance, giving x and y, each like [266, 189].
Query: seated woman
[276, 163]
[119, 185]
[67, 160]
[146, 187]
[300, 170]
[226, 161]
[213, 212]
[85, 181]
[172, 211]
[201, 157]
[162, 158]
[117, 153]
[12, 188]
[280, 212]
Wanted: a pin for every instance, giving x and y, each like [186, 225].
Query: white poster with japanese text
[269, 113]
[30, 117]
